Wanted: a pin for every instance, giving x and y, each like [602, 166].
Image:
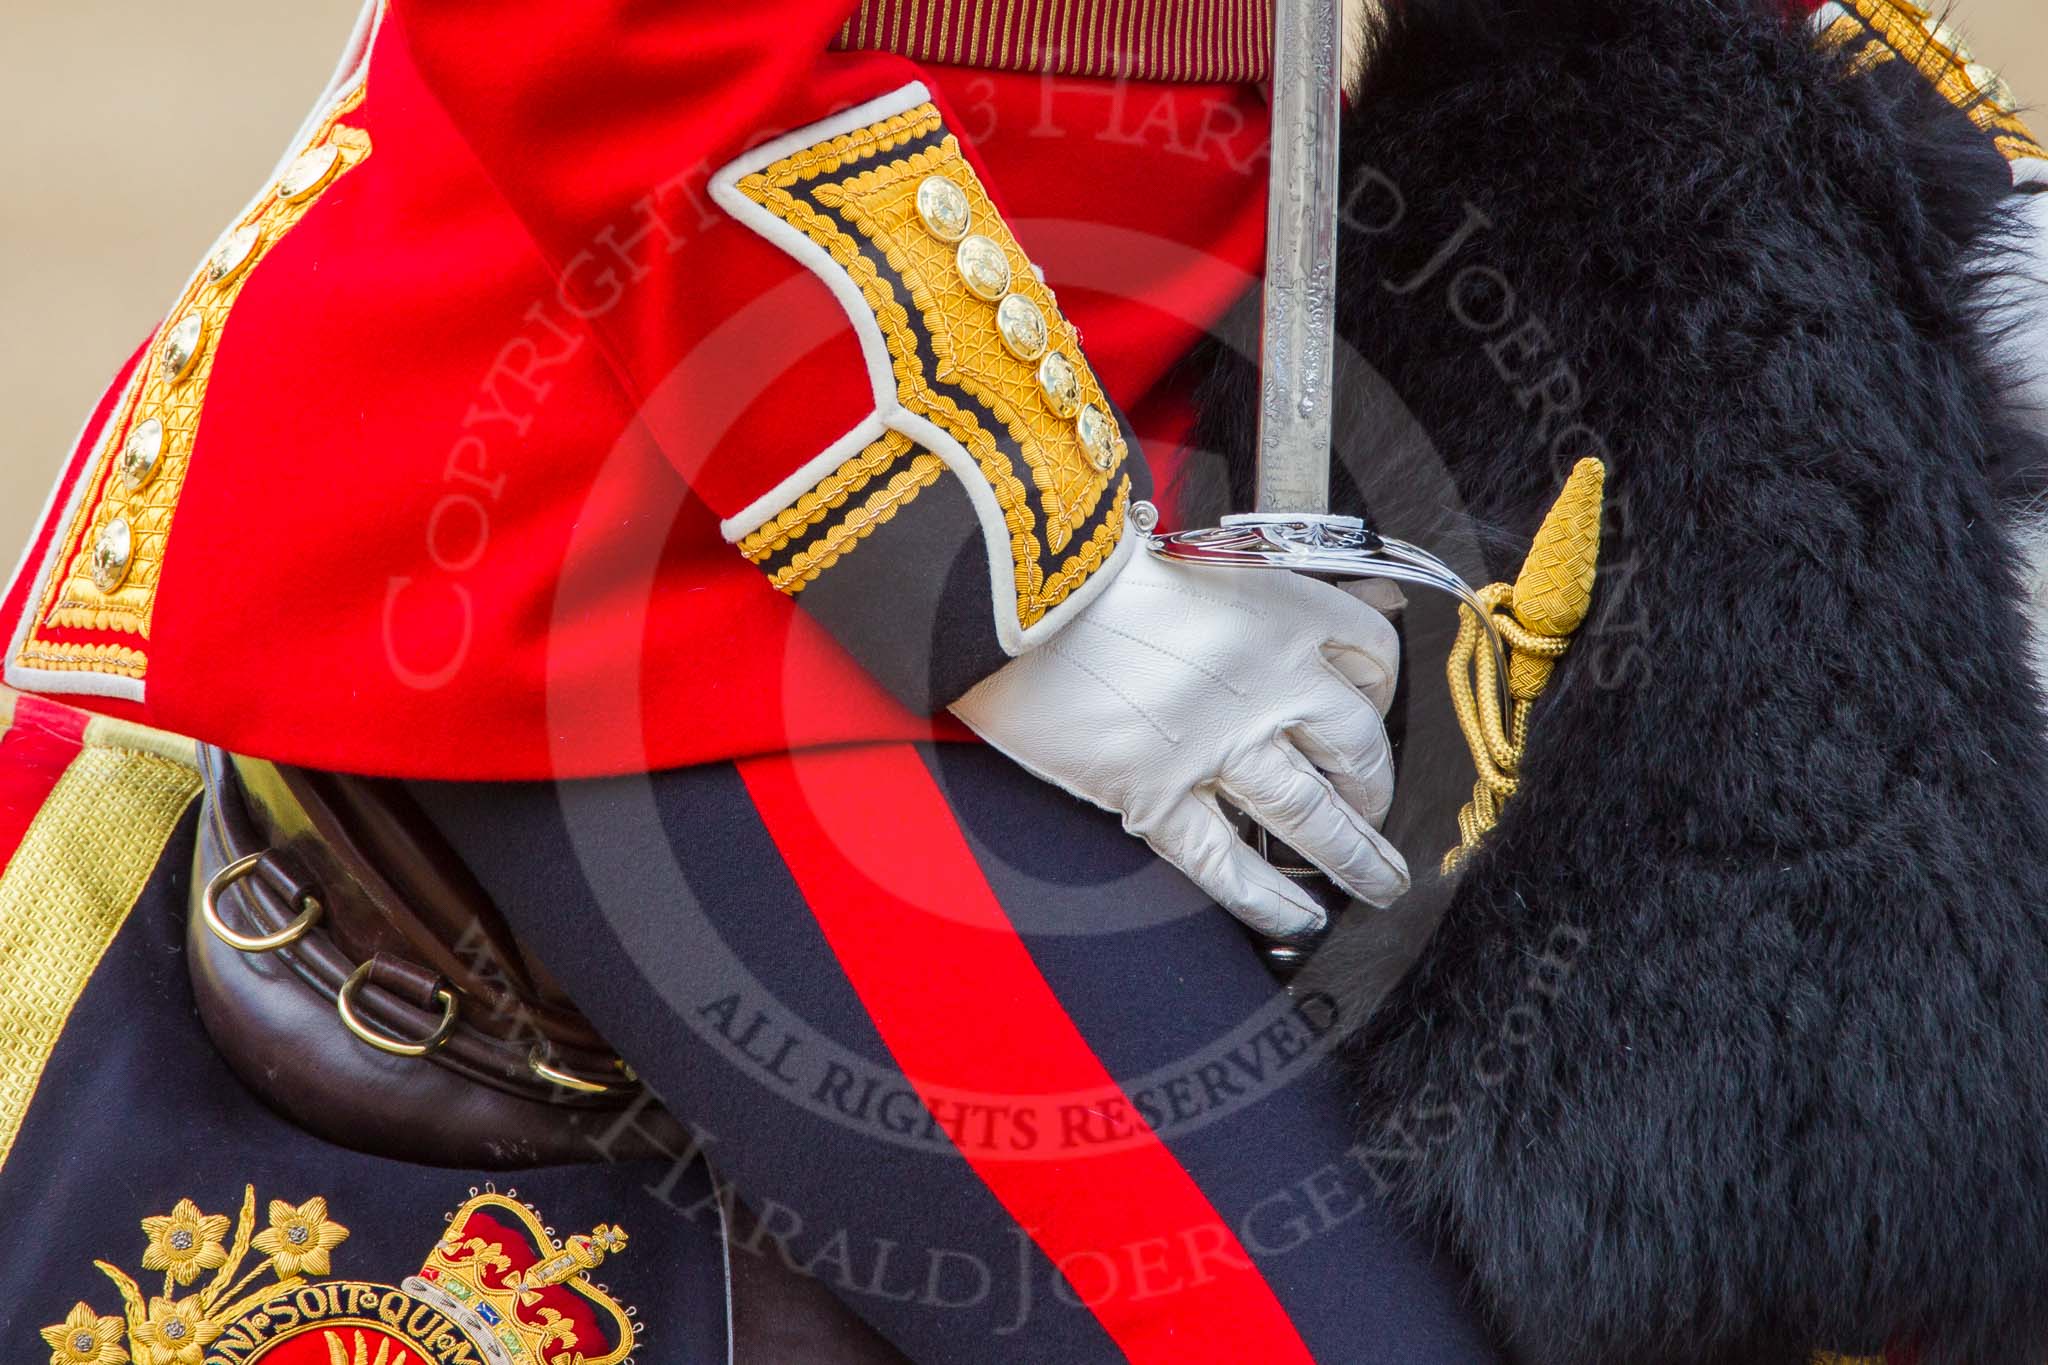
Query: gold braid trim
[881, 506]
[965, 343]
[2020, 148]
[826, 496]
[67, 891]
[1098, 547]
[910, 380]
[119, 660]
[1536, 616]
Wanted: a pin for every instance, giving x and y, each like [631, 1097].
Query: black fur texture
[1732, 1043]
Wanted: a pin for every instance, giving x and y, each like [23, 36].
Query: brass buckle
[384, 1042]
[209, 910]
[537, 1058]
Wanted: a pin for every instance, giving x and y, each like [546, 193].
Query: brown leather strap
[416, 986]
[394, 886]
[431, 940]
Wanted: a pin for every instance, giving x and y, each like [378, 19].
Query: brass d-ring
[384, 1042]
[536, 1057]
[209, 910]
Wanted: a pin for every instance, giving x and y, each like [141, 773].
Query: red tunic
[441, 492]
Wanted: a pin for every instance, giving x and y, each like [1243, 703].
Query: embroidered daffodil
[86, 1338]
[298, 1239]
[175, 1333]
[185, 1242]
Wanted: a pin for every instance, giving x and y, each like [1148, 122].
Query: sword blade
[1299, 322]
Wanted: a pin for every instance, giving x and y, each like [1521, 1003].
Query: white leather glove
[1183, 683]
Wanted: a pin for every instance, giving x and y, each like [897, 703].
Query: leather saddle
[353, 974]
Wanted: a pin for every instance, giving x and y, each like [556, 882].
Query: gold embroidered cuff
[974, 369]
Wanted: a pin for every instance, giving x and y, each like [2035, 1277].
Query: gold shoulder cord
[1536, 616]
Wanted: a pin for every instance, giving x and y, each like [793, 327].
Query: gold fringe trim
[1152, 40]
[1906, 32]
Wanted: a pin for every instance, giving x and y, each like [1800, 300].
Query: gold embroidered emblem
[496, 1288]
[1906, 31]
[881, 201]
[104, 580]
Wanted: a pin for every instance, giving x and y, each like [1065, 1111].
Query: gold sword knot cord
[1535, 617]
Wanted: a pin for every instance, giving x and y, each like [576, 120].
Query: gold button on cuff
[1098, 435]
[1022, 327]
[139, 453]
[984, 266]
[308, 173]
[233, 253]
[1060, 383]
[943, 207]
[112, 550]
[181, 348]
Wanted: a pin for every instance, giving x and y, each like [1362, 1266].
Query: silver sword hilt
[1319, 543]
[1324, 545]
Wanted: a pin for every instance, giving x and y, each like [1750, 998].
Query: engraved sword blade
[1299, 319]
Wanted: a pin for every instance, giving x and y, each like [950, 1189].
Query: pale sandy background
[136, 129]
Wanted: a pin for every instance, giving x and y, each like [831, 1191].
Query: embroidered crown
[497, 1277]
[500, 1274]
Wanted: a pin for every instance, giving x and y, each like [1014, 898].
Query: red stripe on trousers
[34, 752]
[961, 1006]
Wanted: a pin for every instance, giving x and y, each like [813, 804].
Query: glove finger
[1351, 749]
[1368, 675]
[1359, 643]
[1199, 839]
[1383, 595]
[1277, 786]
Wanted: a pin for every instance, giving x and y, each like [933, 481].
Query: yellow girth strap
[1536, 615]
